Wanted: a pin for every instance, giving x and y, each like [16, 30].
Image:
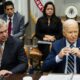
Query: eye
[70, 32]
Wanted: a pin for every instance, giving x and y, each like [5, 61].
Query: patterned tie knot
[71, 45]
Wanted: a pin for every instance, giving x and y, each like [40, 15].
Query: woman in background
[48, 28]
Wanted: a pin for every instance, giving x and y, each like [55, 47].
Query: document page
[76, 77]
[57, 77]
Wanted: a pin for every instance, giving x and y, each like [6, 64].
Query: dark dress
[42, 28]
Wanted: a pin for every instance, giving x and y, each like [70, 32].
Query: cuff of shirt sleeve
[58, 59]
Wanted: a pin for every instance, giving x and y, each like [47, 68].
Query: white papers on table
[60, 77]
[43, 77]
[76, 77]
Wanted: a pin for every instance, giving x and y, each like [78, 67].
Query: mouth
[73, 40]
[10, 14]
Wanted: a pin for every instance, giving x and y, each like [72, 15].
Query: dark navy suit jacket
[50, 63]
[14, 58]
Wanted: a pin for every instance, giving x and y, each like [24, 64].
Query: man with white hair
[12, 54]
[65, 54]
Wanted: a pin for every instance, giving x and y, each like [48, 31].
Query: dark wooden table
[35, 76]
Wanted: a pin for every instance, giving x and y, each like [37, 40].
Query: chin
[4, 40]
[72, 42]
[10, 15]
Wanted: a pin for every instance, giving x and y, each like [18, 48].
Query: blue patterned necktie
[70, 66]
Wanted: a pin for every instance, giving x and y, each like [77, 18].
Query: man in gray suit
[17, 20]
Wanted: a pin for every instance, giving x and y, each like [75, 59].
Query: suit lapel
[5, 17]
[15, 21]
[78, 43]
[61, 45]
[7, 49]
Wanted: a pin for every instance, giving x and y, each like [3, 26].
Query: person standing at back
[48, 28]
[14, 20]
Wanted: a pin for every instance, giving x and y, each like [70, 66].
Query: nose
[9, 10]
[74, 34]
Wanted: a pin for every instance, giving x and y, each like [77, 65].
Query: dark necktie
[9, 26]
[70, 66]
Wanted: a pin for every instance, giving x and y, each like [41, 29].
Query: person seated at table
[48, 28]
[65, 53]
[14, 20]
[12, 55]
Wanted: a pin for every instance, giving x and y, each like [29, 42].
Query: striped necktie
[70, 66]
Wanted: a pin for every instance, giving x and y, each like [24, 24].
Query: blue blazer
[18, 24]
[50, 63]
[14, 58]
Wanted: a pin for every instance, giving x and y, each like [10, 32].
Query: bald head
[70, 30]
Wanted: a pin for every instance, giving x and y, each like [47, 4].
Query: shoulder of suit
[78, 39]
[58, 42]
[57, 18]
[3, 16]
[17, 14]
[42, 18]
[14, 40]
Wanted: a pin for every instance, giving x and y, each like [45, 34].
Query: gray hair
[2, 23]
[69, 22]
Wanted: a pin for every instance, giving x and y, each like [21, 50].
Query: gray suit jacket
[18, 24]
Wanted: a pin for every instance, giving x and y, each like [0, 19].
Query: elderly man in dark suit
[65, 54]
[17, 20]
[12, 55]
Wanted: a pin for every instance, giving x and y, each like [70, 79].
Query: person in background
[65, 53]
[48, 28]
[12, 55]
[16, 27]
[1, 7]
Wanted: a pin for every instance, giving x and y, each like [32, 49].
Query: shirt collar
[2, 45]
[68, 44]
[11, 17]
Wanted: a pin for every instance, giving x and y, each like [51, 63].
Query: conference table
[20, 76]
[44, 76]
